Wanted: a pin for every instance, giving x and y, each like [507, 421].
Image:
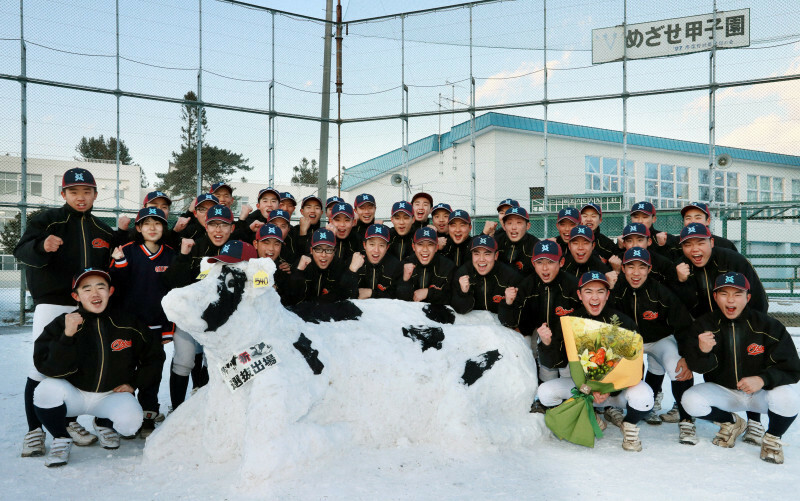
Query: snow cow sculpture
[288, 387]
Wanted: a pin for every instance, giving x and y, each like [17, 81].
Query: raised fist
[706, 341]
[463, 282]
[52, 243]
[408, 270]
[545, 334]
[616, 263]
[71, 323]
[304, 261]
[124, 222]
[511, 295]
[489, 227]
[181, 224]
[683, 272]
[356, 262]
[186, 246]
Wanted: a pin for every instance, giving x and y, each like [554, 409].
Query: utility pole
[322, 180]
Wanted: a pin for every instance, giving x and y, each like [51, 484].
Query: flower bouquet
[602, 357]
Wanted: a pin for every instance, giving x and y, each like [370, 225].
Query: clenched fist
[304, 261]
[71, 323]
[408, 270]
[683, 272]
[356, 262]
[52, 243]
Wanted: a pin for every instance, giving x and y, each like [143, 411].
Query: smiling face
[218, 232]
[516, 227]
[424, 251]
[594, 297]
[270, 247]
[312, 210]
[375, 249]
[440, 218]
[225, 196]
[483, 260]
[267, 203]
[635, 241]
[366, 212]
[322, 255]
[282, 224]
[159, 203]
[201, 212]
[342, 226]
[695, 216]
[546, 269]
[401, 222]
[591, 218]
[459, 230]
[421, 209]
[644, 218]
[564, 227]
[698, 250]
[151, 229]
[93, 293]
[581, 249]
[731, 301]
[636, 273]
[288, 205]
[80, 198]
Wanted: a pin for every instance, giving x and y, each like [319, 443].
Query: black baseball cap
[637, 254]
[150, 212]
[695, 230]
[77, 177]
[732, 279]
[156, 194]
[269, 231]
[87, 272]
[235, 251]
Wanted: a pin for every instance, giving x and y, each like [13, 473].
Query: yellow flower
[586, 363]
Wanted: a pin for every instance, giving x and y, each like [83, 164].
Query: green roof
[387, 162]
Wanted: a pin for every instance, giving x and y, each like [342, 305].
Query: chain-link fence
[473, 103]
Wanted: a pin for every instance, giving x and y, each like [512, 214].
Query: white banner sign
[247, 364]
[672, 37]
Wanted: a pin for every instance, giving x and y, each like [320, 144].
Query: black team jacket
[437, 277]
[381, 278]
[518, 254]
[400, 245]
[576, 269]
[315, 284]
[457, 253]
[487, 292]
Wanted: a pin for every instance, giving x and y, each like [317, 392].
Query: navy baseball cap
[364, 198]
[269, 231]
[425, 233]
[483, 242]
[269, 189]
[592, 276]
[637, 254]
[592, 205]
[508, 202]
[219, 213]
[442, 206]
[695, 230]
[570, 213]
[87, 272]
[206, 197]
[459, 214]
[401, 206]
[342, 208]
[285, 195]
[697, 205]
[377, 231]
[310, 198]
[323, 236]
[279, 214]
[77, 177]
[235, 251]
[582, 232]
[546, 249]
[635, 229]
[732, 279]
[516, 211]
[645, 207]
[333, 200]
[424, 195]
[216, 186]
[151, 212]
[156, 194]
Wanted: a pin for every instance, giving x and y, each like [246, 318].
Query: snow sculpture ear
[230, 288]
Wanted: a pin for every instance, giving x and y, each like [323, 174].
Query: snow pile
[378, 387]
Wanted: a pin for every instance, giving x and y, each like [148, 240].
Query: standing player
[268, 200]
[592, 216]
[317, 278]
[268, 244]
[645, 213]
[402, 238]
[567, 219]
[695, 212]
[457, 246]
[347, 241]
[490, 227]
[365, 213]
[378, 275]
[421, 205]
[581, 257]
[748, 362]
[440, 216]
[427, 275]
[197, 224]
[94, 361]
[57, 243]
[663, 269]
[288, 202]
[517, 248]
[311, 212]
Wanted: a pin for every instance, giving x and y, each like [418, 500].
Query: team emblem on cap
[729, 279]
[568, 211]
[691, 229]
[402, 204]
[546, 247]
[225, 249]
[218, 212]
[595, 275]
[581, 231]
[637, 253]
[378, 230]
[322, 234]
[271, 230]
[483, 240]
[78, 176]
[641, 206]
[152, 210]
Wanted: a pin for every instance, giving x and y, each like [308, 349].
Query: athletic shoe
[657, 401]
[671, 416]
[687, 432]
[600, 421]
[538, 408]
[653, 418]
[80, 436]
[630, 437]
[148, 424]
[33, 444]
[729, 432]
[771, 449]
[615, 416]
[59, 452]
[754, 433]
[109, 439]
[160, 417]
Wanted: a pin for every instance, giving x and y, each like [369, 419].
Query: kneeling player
[69, 352]
[593, 291]
[749, 363]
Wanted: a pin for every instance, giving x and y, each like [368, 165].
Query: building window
[665, 185]
[605, 175]
[238, 202]
[725, 186]
[764, 188]
[9, 183]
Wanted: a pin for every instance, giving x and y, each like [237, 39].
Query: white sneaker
[80, 436]
[672, 416]
[771, 449]
[109, 439]
[615, 416]
[657, 401]
[33, 444]
[630, 437]
[59, 452]
[687, 432]
[600, 421]
[754, 433]
[729, 432]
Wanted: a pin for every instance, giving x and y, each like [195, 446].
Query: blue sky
[507, 64]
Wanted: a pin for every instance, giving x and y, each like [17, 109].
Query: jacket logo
[650, 315]
[755, 349]
[381, 287]
[324, 291]
[560, 311]
[431, 286]
[161, 269]
[518, 265]
[121, 344]
[497, 298]
[99, 243]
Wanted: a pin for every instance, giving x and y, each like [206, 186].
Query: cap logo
[159, 194]
[218, 212]
[426, 233]
[271, 230]
[152, 210]
[341, 207]
[225, 249]
[546, 247]
[595, 275]
[322, 234]
[483, 240]
[691, 229]
[402, 204]
[78, 176]
[581, 231]
[641, 206]
[378, 230]
[729, 279]
[568, 211]
[637, 253]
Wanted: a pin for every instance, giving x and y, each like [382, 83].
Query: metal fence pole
[271, 111]
[625, 173]
[712, 101]
[23, 205]
[472, 120]
[322, 180]
[117, 208]
[404, 105]
[200, 100]
[546, 155]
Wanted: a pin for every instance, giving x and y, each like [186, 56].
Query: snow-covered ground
[549, 470]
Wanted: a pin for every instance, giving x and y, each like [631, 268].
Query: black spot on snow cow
[303, 345]
[427, 337]
[230, 287]
[315, 313]
[475, 367]
[440, 313]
